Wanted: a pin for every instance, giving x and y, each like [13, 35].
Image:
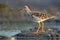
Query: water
[25, 25]
[9, 29]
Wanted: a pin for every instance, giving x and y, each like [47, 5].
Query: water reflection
[19, 26]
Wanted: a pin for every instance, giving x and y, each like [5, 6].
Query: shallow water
[25, 25]
[9, 29]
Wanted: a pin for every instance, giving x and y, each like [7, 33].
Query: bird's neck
[28, 11]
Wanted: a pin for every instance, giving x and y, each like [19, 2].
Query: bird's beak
[22, 9]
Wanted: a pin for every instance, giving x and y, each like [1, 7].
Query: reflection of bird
[37, 17]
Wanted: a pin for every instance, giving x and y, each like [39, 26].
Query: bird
[38, 17]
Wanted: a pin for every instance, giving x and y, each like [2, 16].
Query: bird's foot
[36, 33]
[43, 31]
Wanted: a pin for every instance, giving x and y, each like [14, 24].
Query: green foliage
[4, 9]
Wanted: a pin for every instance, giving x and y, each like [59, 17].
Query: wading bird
[37, 17]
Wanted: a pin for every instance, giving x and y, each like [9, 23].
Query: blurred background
[14, 6]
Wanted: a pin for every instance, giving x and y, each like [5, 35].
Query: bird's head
[26, 8]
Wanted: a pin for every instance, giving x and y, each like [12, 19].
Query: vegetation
[4, 9]
[9, 13]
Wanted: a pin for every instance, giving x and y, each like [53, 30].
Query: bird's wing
[42, 17]
[37, 14]
[47, 18]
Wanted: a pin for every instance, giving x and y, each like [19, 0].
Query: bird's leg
[38, 28]
[37, 31]
[43, 27]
